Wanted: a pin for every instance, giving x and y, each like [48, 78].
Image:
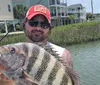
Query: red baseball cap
[38, 9]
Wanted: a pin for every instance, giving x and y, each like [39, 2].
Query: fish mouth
[19, 63]
[1, 59]
[13, 64]
[2, 67]
[1, 55]
[2, 63]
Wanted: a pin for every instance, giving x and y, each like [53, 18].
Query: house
[96, 17]
[6, 13]
[78, 11]
[59, 10]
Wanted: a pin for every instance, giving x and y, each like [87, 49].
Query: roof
[76, 5]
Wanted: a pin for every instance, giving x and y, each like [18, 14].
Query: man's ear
[23, 26]
[23, 23]
[49, 31]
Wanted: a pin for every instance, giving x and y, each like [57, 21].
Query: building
[78, 11]
[29, 3]
[6, 13]
[59, 10]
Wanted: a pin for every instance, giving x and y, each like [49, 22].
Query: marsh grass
[64, 35]
[13, 39]
[75, 33]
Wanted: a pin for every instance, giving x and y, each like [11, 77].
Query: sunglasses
[44, 25]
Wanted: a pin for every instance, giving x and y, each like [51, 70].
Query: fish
[31, 64]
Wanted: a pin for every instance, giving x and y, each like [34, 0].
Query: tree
[19, 11]
[71, 17]
[79, 16]
[89, 16]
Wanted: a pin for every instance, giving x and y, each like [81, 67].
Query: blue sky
[87, 4]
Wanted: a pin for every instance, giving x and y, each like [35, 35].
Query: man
[37, 26]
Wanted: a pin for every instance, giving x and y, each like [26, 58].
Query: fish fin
[29, 79]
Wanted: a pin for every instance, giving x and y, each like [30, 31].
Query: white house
[78, 11]
[6, 12]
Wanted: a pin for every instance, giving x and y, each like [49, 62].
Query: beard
[36, 36]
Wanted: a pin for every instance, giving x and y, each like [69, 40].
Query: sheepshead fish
[42, 67]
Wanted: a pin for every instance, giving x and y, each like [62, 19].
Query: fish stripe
[59, 76]
[46, 74]
[53, 73]
[33, 58]
[70, 81]
[43, 66]
[64, 79]
[37, 63]
[25, 48]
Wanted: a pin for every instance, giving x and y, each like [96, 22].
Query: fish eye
[12, 51]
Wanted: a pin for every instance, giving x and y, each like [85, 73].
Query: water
[86, 60]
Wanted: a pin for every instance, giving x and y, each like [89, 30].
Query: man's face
[36, 33]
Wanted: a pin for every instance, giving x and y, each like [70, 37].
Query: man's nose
[38, 28]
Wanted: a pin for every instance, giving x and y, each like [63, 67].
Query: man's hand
[2, 77]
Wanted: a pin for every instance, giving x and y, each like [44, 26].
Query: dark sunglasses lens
[45, 25]
[32, 23]
[41, 24]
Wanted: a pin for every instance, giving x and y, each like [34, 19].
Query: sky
[87, 4]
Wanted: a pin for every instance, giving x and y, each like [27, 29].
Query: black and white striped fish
[43, 67]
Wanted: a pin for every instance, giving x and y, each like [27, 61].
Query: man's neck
[43, 42]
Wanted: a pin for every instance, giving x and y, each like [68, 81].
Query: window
[53, 11]
[9, 8]
[58, 2]
[78, 8]
[51, 2]
[62, 2]
[73, 9]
